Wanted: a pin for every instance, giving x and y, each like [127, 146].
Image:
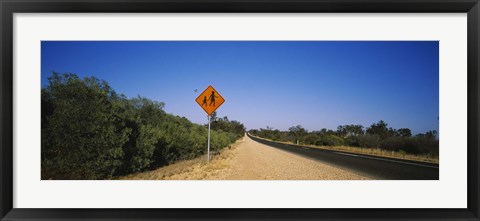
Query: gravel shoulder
[249, 160]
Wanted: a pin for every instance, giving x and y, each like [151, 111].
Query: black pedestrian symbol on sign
[204, 100]
[212, 98]
[209, 100]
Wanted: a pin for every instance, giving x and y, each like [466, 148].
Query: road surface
[249, 160]
[375, 167]
[257, 161]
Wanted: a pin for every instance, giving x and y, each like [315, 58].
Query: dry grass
[195, 169]
[383, 153]
[372, 152]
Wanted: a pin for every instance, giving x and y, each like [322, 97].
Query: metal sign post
[209, 100]
[208, 142]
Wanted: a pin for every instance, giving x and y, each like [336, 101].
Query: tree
[84, 136]
[213, 117]
[342, 130]
[404, 132]
[226, 125]
[380, 129]
[298, 132]
[431, 134]
[356, 130]
[254, 132]
[143, 117]
[349, 130]
[91, 132]
[311, 139]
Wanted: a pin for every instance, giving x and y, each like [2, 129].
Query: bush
[83, 137]
[330, 140]
[395, 144]
[412, 145]
[378, 136]
[428, 146]
[367, 141]
[90, 132]
[311, 139]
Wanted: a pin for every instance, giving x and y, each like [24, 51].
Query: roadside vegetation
[91, 132]
[192, 169]
[377, 139]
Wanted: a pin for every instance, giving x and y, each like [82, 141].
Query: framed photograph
[256, 110]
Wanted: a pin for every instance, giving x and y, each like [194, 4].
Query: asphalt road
[375, 167]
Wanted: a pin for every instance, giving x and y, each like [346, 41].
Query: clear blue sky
[317, 84]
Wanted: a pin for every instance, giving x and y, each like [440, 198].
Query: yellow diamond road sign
[210, 100]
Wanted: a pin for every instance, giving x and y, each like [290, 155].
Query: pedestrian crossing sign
[210, 100]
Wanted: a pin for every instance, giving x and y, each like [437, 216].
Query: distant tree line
[91, 132]
[378, 135]
[224, 124]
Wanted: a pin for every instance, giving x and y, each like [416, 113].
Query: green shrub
[311, 139]
[412, 145]
[83, 136]
[377, 136]
[367, 141]
[330, 140]
[395, 144]
[90, 132]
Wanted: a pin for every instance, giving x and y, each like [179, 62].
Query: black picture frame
[9, 7]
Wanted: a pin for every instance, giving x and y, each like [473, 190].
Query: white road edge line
[386, 160]
[348, 154]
